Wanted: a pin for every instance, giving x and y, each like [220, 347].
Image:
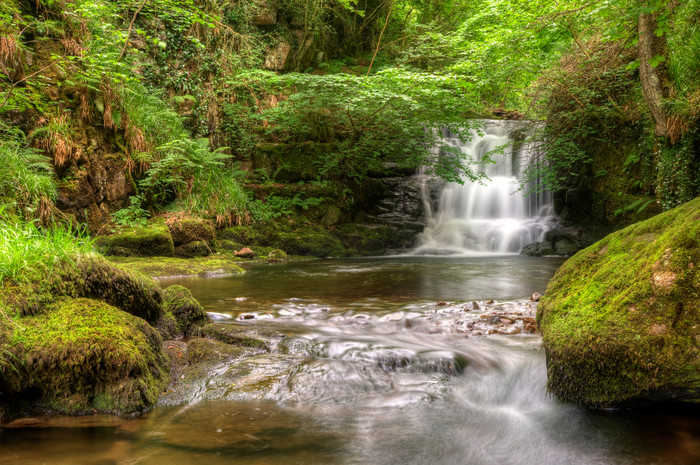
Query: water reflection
[366, 377]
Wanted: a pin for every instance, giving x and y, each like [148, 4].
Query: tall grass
[29, 253]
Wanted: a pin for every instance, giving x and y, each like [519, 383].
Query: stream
[386, 361]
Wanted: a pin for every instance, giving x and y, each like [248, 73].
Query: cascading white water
[493, 216]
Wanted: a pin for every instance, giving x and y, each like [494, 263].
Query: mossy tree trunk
[653, 73]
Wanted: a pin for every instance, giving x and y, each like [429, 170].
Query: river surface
[391, 361]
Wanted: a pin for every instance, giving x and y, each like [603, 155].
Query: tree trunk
[654, 80]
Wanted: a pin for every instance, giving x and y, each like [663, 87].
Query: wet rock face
[563, 241]
[620, 320]
[401, 208]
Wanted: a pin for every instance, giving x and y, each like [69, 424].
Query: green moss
[277, 255]
[201, 350]
[190, 230]
[368, 239]
[167, 326]
[193, 249]
[90, 276]
[619, 320]
[153, 240]
[187, 311]
[128, 290]
[168, 266]
[310, 240]
[83, 355]
[248, 235]
[231, 334]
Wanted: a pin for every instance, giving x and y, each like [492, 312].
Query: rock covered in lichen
[83, 355]
[620, 320]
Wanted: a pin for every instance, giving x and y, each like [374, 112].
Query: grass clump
[31, 254]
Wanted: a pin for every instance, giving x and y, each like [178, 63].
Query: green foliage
[679, 171]
[28, 253]
[189, 170]
[132, 216]
[392, 116]
[274, 206]
[26, 180]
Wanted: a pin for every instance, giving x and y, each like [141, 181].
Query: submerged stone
[620, 320]
[236, 335]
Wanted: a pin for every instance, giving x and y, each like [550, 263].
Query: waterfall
[493, 216]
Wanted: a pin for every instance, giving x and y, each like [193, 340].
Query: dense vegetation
[176, 92]
[277, 116]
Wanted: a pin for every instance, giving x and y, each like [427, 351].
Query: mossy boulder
[248, 235]
[83, 355]
[620, 320]
[310, 240]
[193, 249]
[190, 230]
[277, 255]
[187, 311]
[158, 267]
[234, 335]
[127, 290]
[90, 276]
[153, 240]
[368, 239]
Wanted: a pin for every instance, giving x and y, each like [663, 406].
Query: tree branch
[379, 41]
[131, 25]
[14, 84]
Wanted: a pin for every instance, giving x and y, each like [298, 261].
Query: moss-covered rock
[127, 290]
[193, 249]
[187, 311]
[153, 240]
[81, 356]
[167, 326]
[248, 235]
[94, 277]
[310, 240]
[620, 320]
[277, 255]
[190, 230]
[234, 335]
[368, 239]
[158, 267]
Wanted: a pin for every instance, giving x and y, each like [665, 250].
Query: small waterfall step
[493, 217]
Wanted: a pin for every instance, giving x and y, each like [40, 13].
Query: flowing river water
[387, 361]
